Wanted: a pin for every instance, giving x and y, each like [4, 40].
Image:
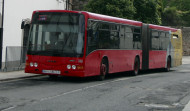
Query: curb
[17, 78]
[187, 107]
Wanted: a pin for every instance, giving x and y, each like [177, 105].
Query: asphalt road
[153, 90]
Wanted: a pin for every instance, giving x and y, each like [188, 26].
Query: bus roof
[157, 27]
[99, 17]
[112, 19]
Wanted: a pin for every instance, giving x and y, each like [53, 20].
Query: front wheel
[168, 67]
[103, 70]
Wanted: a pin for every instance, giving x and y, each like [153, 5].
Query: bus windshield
[57, 34]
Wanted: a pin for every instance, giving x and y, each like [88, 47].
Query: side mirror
[22, 25]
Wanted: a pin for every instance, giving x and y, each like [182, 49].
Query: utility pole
[66, 4]
[2, 13]
[1, 34]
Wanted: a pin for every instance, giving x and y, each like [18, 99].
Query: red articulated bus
[82, 44]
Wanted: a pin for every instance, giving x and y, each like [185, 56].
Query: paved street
[153, 90]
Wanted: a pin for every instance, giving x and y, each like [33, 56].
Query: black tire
[168, 67]
[103, 70]
[136, 67]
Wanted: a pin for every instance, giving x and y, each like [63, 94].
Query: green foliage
[165, 12]
[117, 8]
[148, 11]
[176, 12]
[182, 5]
[171, 17]
[165, 3]
[141, 10]
[186, 18]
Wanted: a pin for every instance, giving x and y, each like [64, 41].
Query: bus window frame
[118, 30]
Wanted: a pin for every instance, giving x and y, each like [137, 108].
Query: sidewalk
[4, 76]
[186, 60]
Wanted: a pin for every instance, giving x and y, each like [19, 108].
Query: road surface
[153, 90]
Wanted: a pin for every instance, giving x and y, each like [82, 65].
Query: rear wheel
[103, 69]
[136, 67]
[168, 67]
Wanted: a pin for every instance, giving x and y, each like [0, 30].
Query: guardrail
[15, 58]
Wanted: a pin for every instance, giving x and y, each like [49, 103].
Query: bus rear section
[56, 43]
[164, 49]
[176, 49]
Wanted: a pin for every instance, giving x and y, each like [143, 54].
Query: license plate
[51, 71]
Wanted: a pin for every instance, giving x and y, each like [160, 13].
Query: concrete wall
[15, 11]
[186, 41]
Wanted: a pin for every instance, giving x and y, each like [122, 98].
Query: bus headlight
[31, 64]
[68, 66]
[74, 67]
[35, 64]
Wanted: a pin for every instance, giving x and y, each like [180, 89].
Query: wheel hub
[103, 69]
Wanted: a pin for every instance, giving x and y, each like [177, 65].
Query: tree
[182, 5]
[148, 11]
[171, 17]
[176, 12]
[117, 8]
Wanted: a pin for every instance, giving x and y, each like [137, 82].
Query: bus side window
[92, 36]
[104, 36]
[137, 38]
[122, 37]
[128, 37]
[163, 41]
[175, 37]
[155, 40]
[166, 40]
[114, 37]
[104, 39]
